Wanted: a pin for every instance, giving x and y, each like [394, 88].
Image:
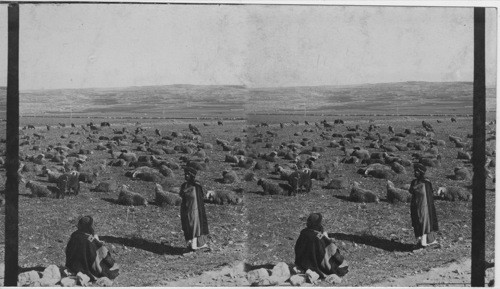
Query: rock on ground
[281, 272]
[257, 275]
[333, 279]
[297, 280]
[68, 282]
[82, 279]
[30, 278]
[104, 282]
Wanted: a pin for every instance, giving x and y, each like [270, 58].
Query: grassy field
[148, 242]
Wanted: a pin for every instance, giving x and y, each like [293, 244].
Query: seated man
[314, 250]
[86, 253]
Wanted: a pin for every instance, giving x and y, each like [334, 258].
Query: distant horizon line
[244, 86]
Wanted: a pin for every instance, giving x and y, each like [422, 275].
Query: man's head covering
[191, 171]
[419, 167]
[314, 222]
[86, 225]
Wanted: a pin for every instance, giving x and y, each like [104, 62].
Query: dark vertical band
[478, 147]
[12, 149]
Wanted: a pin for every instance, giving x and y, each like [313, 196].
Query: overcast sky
[97, 45]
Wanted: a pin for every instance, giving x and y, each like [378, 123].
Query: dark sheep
[68, 183]
[164, 198]
[299, 180]
[270, 188]
[223, 197]
[319, 175]
[88, 178]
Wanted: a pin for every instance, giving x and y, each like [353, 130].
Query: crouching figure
[315, 251]
[85, 253]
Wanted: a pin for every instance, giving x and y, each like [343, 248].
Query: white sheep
[397, 195]
[362, 195]
[453, 194]
[53, 176]
[129, 198]
[223, 197]
[284, 173]
[163, 198]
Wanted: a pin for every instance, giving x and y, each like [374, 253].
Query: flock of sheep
[261, 157]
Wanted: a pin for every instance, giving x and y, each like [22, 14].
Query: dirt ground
[455, 274]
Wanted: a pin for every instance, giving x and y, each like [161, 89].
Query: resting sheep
[164, 198]
[379, 171]
[53, 176]
[319, 175]
[270, 188]
[362, 195]
[337, 184]
[462, 174]
[147, 174]
[105, 187]
[229, 177]
[88, 178]
[453, 194]
[38, 190]
[284, 173]
[223, 197]
[129, 198]
[395, 195]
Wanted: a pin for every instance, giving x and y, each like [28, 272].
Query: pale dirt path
[456, 274]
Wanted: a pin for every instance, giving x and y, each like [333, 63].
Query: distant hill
[382, 98]
[202, 100]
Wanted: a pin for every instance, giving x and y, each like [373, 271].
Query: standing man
[423, 213]
[193, 217]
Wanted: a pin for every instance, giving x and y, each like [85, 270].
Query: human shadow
[32, 268]
[344, 198]
[249, 267]
[139, 243]
[384, 244]
[112, 201]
